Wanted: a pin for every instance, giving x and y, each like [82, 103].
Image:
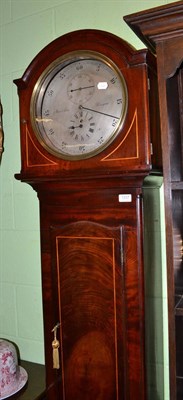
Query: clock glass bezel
[42, 84]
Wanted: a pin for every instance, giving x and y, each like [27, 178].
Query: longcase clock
[87, 138]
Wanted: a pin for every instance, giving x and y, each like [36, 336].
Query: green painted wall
[26, 26]
[156, 321]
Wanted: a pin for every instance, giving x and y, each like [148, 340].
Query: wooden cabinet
[91, 218]
[161, 29]
[1, 131]
[35, 386]
[93, 285]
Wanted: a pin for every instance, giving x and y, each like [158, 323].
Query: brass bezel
[39, 88]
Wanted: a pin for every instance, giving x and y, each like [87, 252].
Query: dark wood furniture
[161, 29]
[35, 386]
[91, 217]
[1, 131]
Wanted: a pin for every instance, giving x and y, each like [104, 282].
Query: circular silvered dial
[79, 105]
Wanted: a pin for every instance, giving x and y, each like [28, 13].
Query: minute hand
[81, 88]
[99, 112]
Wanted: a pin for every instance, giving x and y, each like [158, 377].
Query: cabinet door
[95, 282]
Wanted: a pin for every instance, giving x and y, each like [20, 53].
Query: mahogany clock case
[138, 136]
[91, 222]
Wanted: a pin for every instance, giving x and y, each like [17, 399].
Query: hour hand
[74, 127]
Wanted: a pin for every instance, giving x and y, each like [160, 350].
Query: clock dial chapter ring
[79, 105]
[82, 125]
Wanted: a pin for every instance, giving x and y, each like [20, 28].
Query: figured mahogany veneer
[91, 242]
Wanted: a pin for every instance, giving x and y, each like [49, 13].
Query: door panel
[88, 280]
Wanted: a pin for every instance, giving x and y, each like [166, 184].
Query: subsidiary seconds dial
[79, 105]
